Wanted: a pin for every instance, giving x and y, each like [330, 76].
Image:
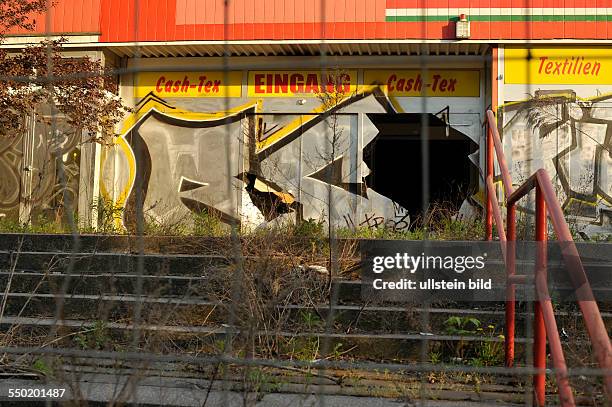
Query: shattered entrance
[395, 160]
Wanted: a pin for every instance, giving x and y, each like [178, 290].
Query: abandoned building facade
[267, 111]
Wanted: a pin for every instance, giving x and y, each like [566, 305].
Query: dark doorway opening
[395, 160]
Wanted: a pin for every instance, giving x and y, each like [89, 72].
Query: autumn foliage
[42, 78]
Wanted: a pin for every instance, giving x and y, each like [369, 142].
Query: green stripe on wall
[506, 18]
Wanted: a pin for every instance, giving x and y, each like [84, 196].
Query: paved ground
[179, 392]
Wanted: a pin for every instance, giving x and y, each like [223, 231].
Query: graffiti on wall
[400, 221]
[191, 162]
[176, 161]
[252, 166]
[40, 172]
[10, 163]
[572, 139]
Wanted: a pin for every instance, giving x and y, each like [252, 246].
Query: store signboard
[189, 84]
[306, 83]
[301, 83]
[558, 66]
[432, 83]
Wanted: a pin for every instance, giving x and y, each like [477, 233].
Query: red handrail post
[593, 321]
[539, 328]
[510, 287]
[544, 318]
[489, 171]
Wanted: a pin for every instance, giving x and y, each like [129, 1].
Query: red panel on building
[175, 20]
[68, 17]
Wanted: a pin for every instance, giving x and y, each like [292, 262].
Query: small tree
[331, 99]
[335, 90]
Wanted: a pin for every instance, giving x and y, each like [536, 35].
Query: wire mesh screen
[192, 194]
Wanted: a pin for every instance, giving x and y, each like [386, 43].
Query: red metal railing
[545, 324]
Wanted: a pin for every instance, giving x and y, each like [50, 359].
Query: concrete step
[362, 345]
[347, 318]
[112, 243]
[177, 286]
[180, 264]
[30, 267]
[595, 252]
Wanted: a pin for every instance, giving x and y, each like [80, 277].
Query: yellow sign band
[558, 66]
[444, 83]
[301, 83]
[189, 84]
